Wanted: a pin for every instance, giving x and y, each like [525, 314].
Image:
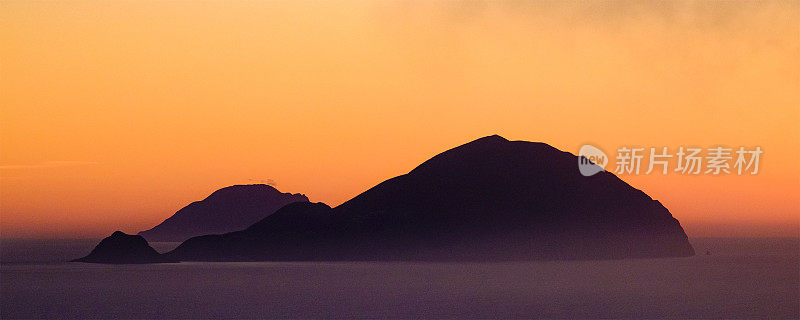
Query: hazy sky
[115, 114]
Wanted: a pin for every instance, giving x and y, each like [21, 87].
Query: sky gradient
[114, 115]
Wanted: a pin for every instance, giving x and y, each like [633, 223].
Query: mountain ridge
[517, 199]
[490, 199]
[224, 210]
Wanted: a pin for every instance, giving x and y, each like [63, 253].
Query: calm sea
[741, 278]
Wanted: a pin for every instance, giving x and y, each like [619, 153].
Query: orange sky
[113, 115]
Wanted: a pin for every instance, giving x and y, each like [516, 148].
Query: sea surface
[741, 278]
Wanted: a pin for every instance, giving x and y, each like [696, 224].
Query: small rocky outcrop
[121, 248]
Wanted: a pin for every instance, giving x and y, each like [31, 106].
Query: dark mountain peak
[484, 144]
[119, 234]
[495, 138]
[123, 248]
[496, 143]
[244, 191]
[489, 199]
[225, 210]
[493, 155]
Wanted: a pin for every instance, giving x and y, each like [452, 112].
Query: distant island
[121, 248]
[488, 200]
[228, 209]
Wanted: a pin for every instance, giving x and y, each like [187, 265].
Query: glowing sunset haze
[114, 115]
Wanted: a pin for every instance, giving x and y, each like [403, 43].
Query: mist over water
[742, 278]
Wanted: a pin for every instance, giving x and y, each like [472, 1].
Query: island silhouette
[487, 200]
[228, 209]
[121, 248]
